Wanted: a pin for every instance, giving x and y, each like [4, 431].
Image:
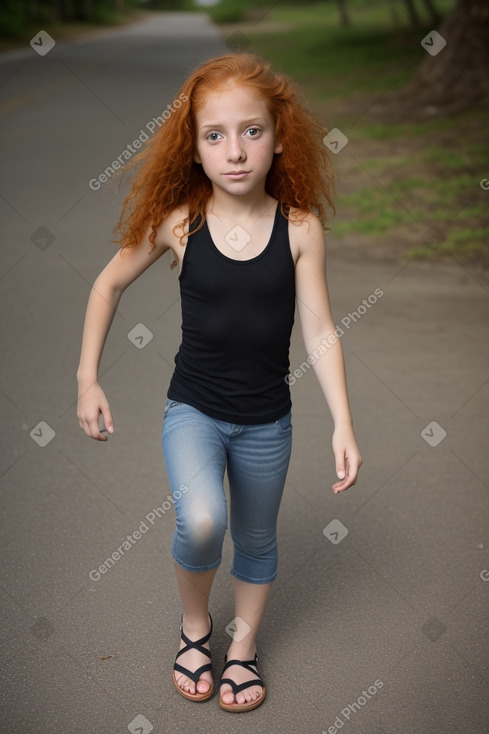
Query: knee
[205, 528]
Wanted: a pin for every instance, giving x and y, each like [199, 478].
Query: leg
[257, 470]
[195, 461]
[195, 589]
[250, 601]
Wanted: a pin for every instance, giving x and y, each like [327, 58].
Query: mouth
[236, 175]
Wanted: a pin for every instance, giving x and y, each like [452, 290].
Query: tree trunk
[453, 77]
[412, 13]
[393, 9]
[88, 10]
[432, 12]
[343, 11]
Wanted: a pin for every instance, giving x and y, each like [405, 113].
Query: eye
[213, 137]
[254, 131]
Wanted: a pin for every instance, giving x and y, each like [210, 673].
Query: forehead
[231, 102]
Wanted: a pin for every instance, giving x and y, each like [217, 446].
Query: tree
[455, 77]
[343, 12]
[432, 12]
[412, 13]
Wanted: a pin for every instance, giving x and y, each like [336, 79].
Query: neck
[249, 206]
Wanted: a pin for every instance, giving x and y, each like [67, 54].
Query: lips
[236, 175]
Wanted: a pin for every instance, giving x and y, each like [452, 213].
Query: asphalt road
[378, 620]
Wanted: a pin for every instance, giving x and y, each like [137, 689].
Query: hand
[347, 458]
[92, 402]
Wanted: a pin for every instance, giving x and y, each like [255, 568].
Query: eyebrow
[244, 123]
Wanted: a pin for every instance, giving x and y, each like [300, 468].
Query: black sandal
[198, 645]
[249, 705]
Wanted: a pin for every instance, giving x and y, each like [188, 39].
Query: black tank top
[237, 318]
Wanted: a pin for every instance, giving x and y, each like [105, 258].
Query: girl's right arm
[126, 265]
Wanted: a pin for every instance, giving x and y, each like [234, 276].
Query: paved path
[378, 620]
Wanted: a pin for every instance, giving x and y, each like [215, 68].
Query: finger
[349, 480]
[108, 420]
[340, 461]
[94, 430]
[341, 486]
[340, 469]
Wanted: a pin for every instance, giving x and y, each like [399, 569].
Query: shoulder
[306, 233]
[172, 228]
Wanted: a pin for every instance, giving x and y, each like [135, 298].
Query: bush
[229, 11]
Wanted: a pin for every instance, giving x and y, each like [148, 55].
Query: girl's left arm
[323, 345]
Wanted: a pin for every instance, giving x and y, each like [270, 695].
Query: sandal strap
[193, 646]
[196, 645]
[196, 674]
[244, 664]
[238, 688]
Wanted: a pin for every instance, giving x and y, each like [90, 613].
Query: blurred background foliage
[411, 181]
[18, 16]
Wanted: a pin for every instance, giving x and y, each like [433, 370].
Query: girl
[229, 183]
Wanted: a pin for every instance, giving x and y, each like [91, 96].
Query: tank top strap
[193, 225]
[283, 222]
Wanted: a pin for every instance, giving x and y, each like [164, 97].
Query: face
[235, 140]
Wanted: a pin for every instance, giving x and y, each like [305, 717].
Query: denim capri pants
[197, 450]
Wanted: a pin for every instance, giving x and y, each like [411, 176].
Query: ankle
[195, 624]
[244, 650]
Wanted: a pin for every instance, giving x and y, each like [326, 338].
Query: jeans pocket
[171, 404]
[284, 424]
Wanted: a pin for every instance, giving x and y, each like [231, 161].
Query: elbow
[105, 286]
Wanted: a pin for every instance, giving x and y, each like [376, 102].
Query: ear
[278, 148]
[197, 158]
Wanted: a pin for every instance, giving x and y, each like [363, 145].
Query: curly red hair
[301, 176]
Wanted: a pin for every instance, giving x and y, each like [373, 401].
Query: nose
[235, 150]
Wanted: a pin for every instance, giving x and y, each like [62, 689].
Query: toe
[187, 685]
[227, 695]
[203, 686]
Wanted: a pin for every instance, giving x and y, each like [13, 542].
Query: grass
[448, 194]
[330, 62]
[397, 177]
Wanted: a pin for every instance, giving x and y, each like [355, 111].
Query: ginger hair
[301, 176]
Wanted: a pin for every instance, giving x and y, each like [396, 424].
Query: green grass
[449, 202]
[331, 60]
[455, 160]
[427, 173]
[388, 131]
[467, 242]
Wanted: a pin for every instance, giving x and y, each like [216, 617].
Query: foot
[193, 659]
[240, 675]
